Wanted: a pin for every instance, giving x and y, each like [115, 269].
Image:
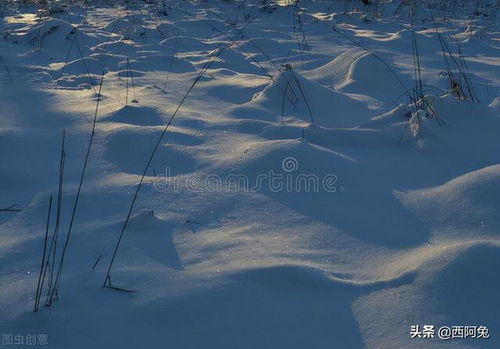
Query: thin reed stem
[80, 185]
[39, 284]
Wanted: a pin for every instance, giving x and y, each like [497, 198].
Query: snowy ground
[300, 197]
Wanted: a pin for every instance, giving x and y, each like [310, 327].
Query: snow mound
[335, 183]
[468, 202]
[149, 240]
[82, 66]
[145, 220]
[451, 109]
[495, 104]
[127, 28]
[55, 36]
[121, 47]
[168, 29]
[52, 30]
[291, 95]
[335, 72]
[134, 115]
[358, 71]
[468, 276]
[365, 75]
[454, 273]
